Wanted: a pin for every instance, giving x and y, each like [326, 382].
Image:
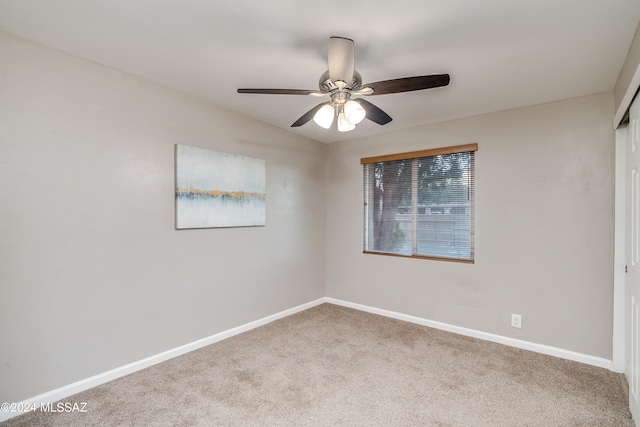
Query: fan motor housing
[328, 86]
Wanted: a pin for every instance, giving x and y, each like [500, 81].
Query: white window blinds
[420, 204]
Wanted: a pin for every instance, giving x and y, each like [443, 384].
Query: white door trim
[618, 357]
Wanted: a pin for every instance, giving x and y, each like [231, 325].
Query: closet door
[633, 256]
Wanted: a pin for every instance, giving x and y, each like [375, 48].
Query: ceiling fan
[341, 81]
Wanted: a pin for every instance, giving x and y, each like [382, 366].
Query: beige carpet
[334, 366]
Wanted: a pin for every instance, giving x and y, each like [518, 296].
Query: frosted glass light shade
[343, 123]
[354, 112]
[324, 116]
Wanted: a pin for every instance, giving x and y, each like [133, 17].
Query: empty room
[244, 213]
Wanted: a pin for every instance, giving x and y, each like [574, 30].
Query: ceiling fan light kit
[341, 81]
[324, 116]
[343, 123]
[349, 115]
[354, 112]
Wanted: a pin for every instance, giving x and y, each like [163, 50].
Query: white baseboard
[513, 342]
[96, 380]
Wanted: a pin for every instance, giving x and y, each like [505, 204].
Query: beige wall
[93, 274]
[544, 228]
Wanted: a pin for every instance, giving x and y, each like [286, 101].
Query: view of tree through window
[421, 206]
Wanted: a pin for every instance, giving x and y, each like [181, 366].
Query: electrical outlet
[516, 321]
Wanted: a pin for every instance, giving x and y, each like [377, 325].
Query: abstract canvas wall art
[215, 189]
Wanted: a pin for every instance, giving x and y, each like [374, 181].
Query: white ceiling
[501, 54]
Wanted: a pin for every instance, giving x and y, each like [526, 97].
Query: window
[420, 204]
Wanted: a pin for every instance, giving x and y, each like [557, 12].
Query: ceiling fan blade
[308, 115]
[341, 59]
[408, 84]
[281, 91]
[374, 113]
[362, 91]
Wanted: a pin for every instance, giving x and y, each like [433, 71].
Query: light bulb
[354, 112]
[343, 123]
[324, 116]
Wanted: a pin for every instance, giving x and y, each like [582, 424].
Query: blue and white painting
[215, 189]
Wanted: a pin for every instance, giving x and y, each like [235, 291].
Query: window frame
[368, 197]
